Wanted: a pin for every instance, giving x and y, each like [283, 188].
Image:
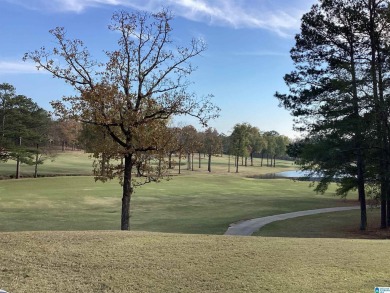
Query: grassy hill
[151, 262]
[197, 204]
[67, 258]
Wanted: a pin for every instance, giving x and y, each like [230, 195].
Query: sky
[248, 44]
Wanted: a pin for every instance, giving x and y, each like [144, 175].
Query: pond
[293, 174]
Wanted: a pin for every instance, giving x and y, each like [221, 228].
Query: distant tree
[142, 84]
[281, 143]
[270, 137]
[200, 146]
[226, 142]
[44, 151]
[189, 140]
[212, 144]
[174, 146]
[239, 140]
[256, 142]
[24, 125]
[66, 133]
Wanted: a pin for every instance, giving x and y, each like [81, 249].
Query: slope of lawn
[49, 262]
[195, 202]
[65, 163]
[329, 225]
[80, 163]
[199, 203]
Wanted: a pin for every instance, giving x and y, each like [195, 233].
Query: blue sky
[248, 49]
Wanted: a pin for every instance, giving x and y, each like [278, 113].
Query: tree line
[30, 135]
[339, 93]
[127, 100]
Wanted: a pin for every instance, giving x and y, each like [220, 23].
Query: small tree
[270, 137]
[256, 143]
[23, 125]
[212, 144]
[132, 95]
[173, 144]
[239, 142]
[44, 151]
[281, 143]
[189, 141]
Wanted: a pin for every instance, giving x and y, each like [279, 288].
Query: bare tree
[132, 95]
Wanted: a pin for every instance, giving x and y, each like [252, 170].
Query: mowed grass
[199, 203]
[329, 225]
[153, 262]
[193, 203]
[80, 163]
[65, 163]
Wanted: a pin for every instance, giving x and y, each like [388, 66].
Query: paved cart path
[247, 228]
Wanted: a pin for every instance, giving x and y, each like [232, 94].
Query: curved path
[247, 228]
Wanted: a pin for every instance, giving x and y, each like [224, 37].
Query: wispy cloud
[17, 67]
[279, 16]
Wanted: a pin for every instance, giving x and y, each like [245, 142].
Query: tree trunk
[378, 109]
[385, 144]
[170, 160]
[209, 163]
[229, 164]
[159, 166]
[192, 161]
[36, 162]
[361, 192]
[261, 162]
[252, 159]
[388, 210]
[199, 161]
[383, 213]
[104, 161]
[237, 159]
[274, 161]
[179, 162]
[358, 144]
[127, 192]
[17, 176]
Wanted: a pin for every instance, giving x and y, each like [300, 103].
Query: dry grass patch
[151, 262]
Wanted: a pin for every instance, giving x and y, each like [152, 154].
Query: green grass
[199, 203]
[65, 163]
[194, 203]
[329, 225]
[80, 163]
[142, 262]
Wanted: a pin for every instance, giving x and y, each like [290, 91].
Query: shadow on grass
[345, 225]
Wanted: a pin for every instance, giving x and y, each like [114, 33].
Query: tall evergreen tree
[24, 126]
[331, 95]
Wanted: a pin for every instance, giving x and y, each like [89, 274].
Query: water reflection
[293, 174]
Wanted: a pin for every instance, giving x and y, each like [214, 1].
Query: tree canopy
[337, 93]
[132, 95]
[24, 125]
